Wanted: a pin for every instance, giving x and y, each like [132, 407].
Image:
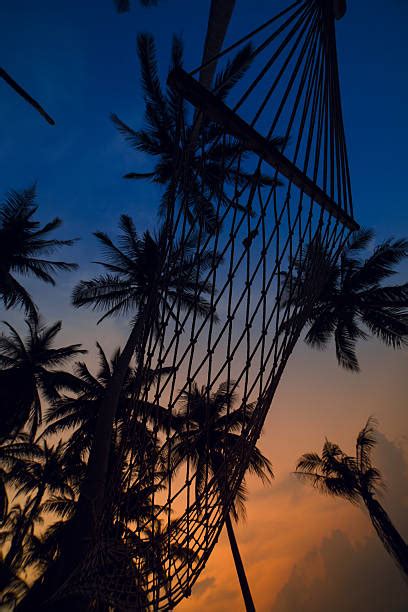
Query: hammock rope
[281, 212]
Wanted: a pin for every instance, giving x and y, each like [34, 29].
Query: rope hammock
[282, 207]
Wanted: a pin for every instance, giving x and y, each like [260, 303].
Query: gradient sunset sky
[302, 551]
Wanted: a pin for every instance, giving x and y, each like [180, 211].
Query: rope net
[259, 203]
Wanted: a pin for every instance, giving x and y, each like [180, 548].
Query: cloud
[340, 575]
[203, 586]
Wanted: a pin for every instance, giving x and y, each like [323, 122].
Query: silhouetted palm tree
[33, 471]
[47, 472]
[354, 299]
[194, 178]
[23, 246]
[218, 22]
[14, 451]
[29, 370]
[154, 547]
[12, 585]
[358, 481]
[77, 414]
[209, 435]
[143, 280]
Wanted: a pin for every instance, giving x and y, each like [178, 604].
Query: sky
[301, 550]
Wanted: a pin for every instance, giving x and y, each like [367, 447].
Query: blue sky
[79, 59]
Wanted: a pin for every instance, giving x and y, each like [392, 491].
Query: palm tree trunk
[94, 485]
[18, 540]
[239, 566]
[388, 534]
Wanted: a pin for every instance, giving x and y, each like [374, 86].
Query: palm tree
[209, 435]
[78, 414]
[34, 471]
[14, 452]
[172, 138]
[354, 299]
[23, 246]
[142, 280]
[218, 22]
[12, 585]
[358, 481]
[154, 548]
[46, 472]
[29, 371]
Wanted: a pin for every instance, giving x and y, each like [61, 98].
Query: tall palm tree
[12, 585]
[193, 178]
[77, 414]
[355, 301]
[143, 280]
[217, 26]
[14, 452]
[356, 479]
[23, 246]
[154, 547]
[29, 371]
[46, 472]
[208, 434]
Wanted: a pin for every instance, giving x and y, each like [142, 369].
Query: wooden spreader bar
[207, 102]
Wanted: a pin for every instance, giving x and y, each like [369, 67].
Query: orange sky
[289, 524]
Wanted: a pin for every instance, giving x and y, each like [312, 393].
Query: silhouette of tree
[78, 414]
[14, 451]
[218, 21]
[209, 435]
[23, 245]
[34, 470]
[354, 300]
[184, 154]
[29, 371]
[358, 481]
[143, 280]
[12, 586]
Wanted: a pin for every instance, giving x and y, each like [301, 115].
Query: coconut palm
[355, 301]
[356, 479]
[153, 547]
[77, 414]
[208, 434]
[14, 452]
[30, 372]
[12, 585]
[34, 471]
[23, 246]
[47, 472]
[172, 138]
[143, 280]
[218, 22]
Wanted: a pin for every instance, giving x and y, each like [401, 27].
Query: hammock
[274, 227]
